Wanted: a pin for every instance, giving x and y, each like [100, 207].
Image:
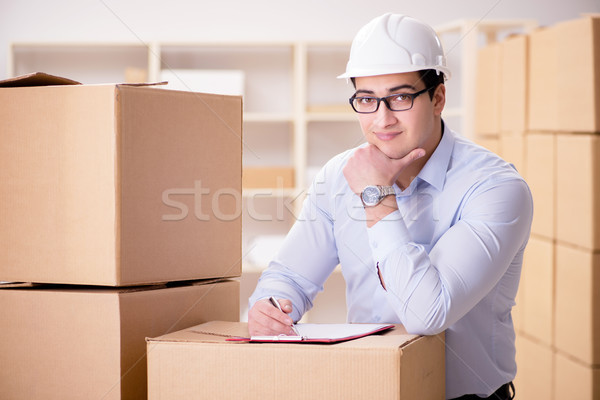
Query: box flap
[17, 285]
[44, 79]
[109, 289]
[141, 84]
[37, 79]
[32, 286]
[213, 331]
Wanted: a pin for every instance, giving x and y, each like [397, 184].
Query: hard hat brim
[357, 73]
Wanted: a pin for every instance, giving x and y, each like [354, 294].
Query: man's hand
[370, 166]
[266, 320]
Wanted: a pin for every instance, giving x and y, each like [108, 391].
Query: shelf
[267, 68]
[346, 116]
[90, 63]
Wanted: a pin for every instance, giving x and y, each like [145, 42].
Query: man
[429, 228]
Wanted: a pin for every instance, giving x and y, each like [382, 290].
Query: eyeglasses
[394, 102]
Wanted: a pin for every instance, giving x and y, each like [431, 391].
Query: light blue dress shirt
[450, 257]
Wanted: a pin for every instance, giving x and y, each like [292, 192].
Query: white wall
[202, 20]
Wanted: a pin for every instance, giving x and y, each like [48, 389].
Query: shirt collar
[434, 171]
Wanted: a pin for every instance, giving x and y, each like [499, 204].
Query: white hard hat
[395, 43]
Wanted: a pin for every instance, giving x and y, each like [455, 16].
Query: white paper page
[336, 331]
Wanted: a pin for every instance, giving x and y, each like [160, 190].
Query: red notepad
[322, 333]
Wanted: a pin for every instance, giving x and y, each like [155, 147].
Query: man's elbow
[428, 325]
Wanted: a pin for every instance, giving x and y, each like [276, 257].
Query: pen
[275, 303]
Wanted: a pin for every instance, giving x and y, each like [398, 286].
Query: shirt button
[374, 245]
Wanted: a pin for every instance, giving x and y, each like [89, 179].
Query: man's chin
[394, 154]
[391, 151]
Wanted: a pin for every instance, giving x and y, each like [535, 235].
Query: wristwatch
[373, 195]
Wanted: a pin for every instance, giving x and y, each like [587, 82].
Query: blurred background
[283, 57]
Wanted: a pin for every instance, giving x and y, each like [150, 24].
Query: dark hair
[430, 78]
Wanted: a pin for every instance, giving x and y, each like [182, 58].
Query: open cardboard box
[118, 184]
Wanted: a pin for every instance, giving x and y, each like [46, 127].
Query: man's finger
[411, 157]
[270, 310]
[286, 305]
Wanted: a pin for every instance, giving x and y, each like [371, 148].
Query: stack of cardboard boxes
[539, 107]
[120, 208]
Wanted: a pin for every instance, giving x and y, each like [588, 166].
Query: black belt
[503, 393]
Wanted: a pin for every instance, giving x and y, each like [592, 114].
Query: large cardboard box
[577, 320]
[578, 71]
[118, 185]
[543, 100]
[564, 76]
[574, 380]
[76, 342]
[487, 108]
[517, 312]
[513, 148]
[537, 290]
[490, 142]
[540, 174]
[578, 190]
[513, 84]
[198, 363]
[534, 378]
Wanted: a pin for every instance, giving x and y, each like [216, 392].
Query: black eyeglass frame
[412, 96]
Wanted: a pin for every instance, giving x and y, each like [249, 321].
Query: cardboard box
[513, 87]
[578, 190]
[577, 321]
[578, 71]
[76, 342]
[198, 363]
[564, 76]
[119, 185]
[268, 177]
[487, 108]
[541, 177]
[490, 142]
[513, 148]
[574, 380]
[543, 99]
[537, 287]
[534, 378]
[517, 310]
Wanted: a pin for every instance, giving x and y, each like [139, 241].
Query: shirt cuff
[388, 234]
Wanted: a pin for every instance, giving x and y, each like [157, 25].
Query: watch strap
[387, 191]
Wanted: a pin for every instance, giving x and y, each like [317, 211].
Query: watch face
[370, 195]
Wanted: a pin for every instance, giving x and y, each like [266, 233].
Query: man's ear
[439, 99]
